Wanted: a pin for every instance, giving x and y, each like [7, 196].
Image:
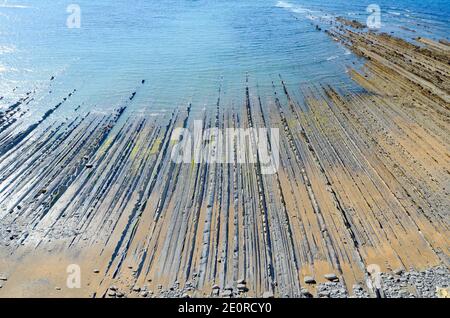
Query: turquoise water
[185, 50]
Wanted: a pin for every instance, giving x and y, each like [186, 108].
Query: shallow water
[185, 50]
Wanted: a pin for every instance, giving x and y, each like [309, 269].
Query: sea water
[185, 50]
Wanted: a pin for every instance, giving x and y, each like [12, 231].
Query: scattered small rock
[136, 289]
[398, 271]
[227, 293]
[112, 293]
[309, 280]
[242, 287]
[331, 277]
[144, 294]
[324, 294]
[305, 292]
[268, 294]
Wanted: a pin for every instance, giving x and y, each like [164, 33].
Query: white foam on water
[282, 4]
[296, 8]
[13, 6]
[7, 49]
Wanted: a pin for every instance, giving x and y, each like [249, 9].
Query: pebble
[309, 280]
[242, 287]
[331, 277]
[227, 293]
[398, 271]
[324, 294]
[268, 294]
[305, 292]
[111, 293]
[440, 271]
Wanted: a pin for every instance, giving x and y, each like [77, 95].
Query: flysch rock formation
[363, 183]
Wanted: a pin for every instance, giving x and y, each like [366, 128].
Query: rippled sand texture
[363, 179]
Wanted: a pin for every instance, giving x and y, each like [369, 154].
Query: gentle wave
[294, 8]
[308, 13]
[7, 49]
[14, 6]
[394, 13]
[282, 4]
